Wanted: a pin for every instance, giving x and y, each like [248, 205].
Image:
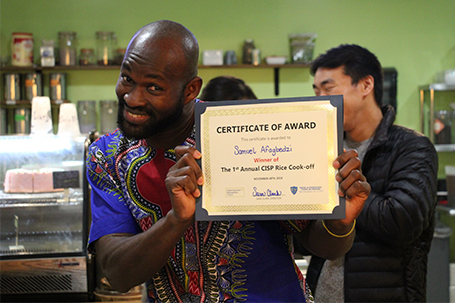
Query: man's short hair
[357, 62]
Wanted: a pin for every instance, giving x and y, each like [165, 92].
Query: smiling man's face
[335, 82]
[150, 89]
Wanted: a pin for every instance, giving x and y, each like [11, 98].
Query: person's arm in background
[405, 209]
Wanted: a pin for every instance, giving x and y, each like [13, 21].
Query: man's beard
[152, 126]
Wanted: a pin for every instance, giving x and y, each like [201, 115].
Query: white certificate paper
[270, 159]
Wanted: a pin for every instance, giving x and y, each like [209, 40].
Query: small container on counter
[67, 48]
[22, 49]
[87, 56]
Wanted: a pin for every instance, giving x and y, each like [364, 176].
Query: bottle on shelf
[248, 48]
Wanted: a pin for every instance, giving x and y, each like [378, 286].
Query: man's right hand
[182, 182]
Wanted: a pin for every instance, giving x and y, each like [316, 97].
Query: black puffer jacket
[388, 260]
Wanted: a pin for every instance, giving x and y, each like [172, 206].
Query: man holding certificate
[145, 179]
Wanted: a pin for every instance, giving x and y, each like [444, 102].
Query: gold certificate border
[258, 109]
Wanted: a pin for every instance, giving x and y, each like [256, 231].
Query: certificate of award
[270, 159]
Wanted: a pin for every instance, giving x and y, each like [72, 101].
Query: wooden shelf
[58, 68]
[276, 70]
[293, 65]
[36, 68]
[116, 67]
[27, 103]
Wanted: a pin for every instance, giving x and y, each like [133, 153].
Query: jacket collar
[388, 119]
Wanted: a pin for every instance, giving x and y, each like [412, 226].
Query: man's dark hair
[357, 62]
[226, 88]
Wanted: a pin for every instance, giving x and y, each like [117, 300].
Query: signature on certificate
[266, 193]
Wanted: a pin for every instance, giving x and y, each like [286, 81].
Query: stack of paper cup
[68, 125]
[41, 122]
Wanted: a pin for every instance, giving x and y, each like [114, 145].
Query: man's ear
[192, 89]
[367, 85]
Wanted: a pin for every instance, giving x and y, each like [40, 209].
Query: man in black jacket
[388, 261]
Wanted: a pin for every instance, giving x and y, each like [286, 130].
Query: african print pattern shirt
[215, 261]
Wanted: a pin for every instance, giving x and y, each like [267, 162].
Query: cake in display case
[44, 216]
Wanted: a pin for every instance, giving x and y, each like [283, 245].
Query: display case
[437, 116]
[44, 218]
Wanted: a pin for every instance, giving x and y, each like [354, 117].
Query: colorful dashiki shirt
[214, 261]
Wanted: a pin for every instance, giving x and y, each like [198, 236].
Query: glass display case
[437, 115]
[44, 216]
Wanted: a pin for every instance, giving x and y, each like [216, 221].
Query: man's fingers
[184, 149]
[358, 188]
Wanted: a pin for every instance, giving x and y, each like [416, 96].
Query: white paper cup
[68, 123]
[41, 121]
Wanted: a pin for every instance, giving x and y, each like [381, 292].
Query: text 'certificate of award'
[270, 159]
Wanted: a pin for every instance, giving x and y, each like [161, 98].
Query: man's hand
[182, 182]
[353, 184]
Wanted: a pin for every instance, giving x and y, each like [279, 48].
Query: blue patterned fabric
[215, 261]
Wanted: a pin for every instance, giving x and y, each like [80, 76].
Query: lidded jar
[87, 56]
[67, 48]
[105, 42]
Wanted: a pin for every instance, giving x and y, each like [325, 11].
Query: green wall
[417, 37]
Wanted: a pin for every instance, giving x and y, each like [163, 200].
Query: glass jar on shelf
[105, 42]
[120, 53]
[87, 56]
[86, 113]
[67, 48]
